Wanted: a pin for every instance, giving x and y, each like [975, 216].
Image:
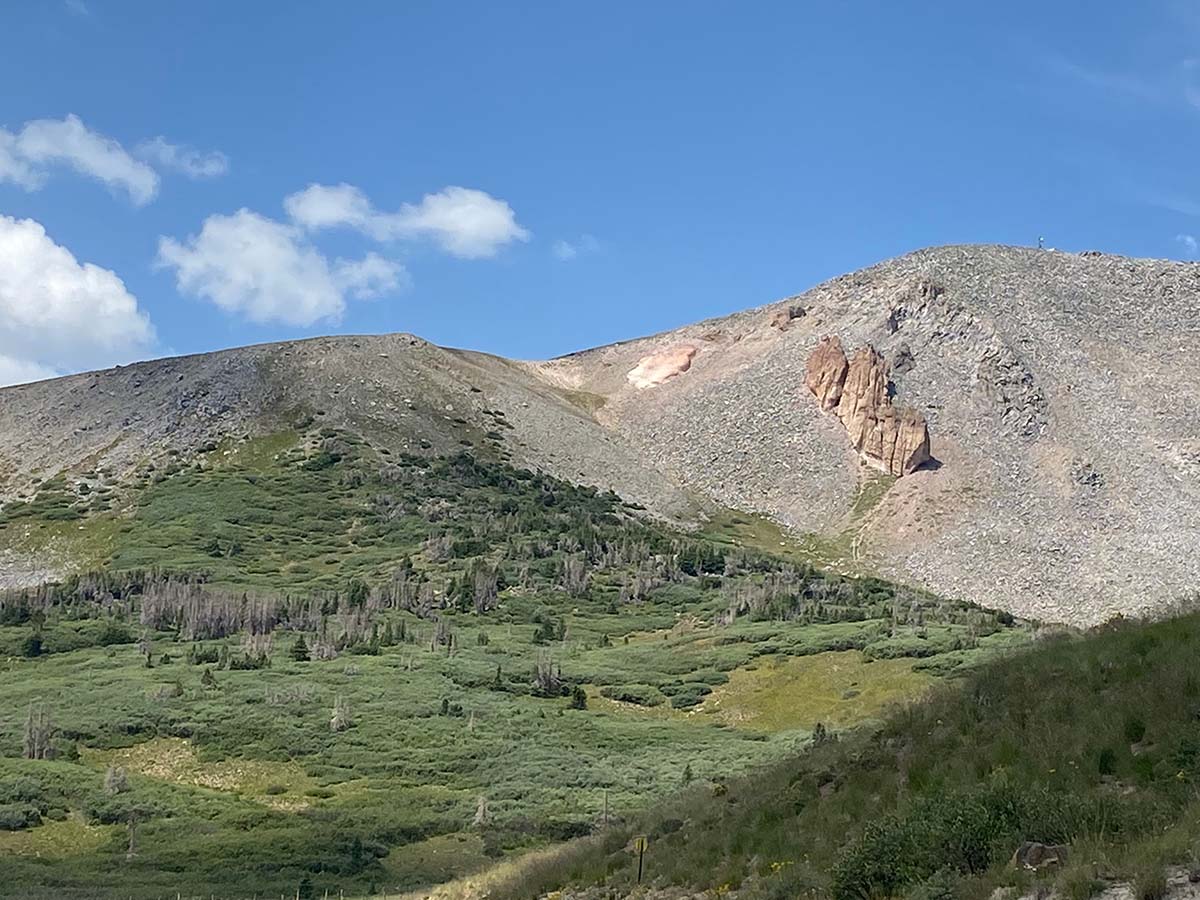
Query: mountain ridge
[1057, 388]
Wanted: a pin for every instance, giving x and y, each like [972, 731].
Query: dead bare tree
[341, 719]
[487, 594]
[115, 780]
[39, 732]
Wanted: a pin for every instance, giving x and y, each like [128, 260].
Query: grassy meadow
[303, 664]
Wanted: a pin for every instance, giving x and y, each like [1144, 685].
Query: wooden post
[641, 857]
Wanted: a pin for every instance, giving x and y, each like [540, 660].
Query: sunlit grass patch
[57, 840]
[872, 489]
[259, 453]
[842, 689]
[279, 785]
[436, 859]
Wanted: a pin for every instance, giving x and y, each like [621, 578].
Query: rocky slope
[1060, 392]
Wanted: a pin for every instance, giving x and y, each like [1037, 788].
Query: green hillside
[1092, 742]
[302, 663]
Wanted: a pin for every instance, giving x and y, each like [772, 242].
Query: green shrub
[1134, 729]
[641, 694]
[1150, 883]
[965, 831]
[14, 817]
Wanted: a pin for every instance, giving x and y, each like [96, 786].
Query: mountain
[1059, 391]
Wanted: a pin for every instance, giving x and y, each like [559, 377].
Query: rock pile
[857, 391]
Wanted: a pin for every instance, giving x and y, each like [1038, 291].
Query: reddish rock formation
[856, 391]
[826, 373]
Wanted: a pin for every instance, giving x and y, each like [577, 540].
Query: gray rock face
[1063, 392]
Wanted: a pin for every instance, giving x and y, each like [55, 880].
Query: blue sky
[533, 178]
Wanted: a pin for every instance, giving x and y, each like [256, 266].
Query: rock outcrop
[857, 391]
[782, 318]
[826, 375]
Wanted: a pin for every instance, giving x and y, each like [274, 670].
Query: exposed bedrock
[857, 390]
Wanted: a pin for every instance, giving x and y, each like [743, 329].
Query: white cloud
[369, 277]
[569, 250]
[12, 167]
[44, 143]
[176, 158]
[267, 271]
[334, 206]
[21, 371]
[28, 156]
[465, 222]
[59, 314]
[1191, 247]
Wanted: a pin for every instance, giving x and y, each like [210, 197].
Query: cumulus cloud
[467, 223]
[334, 206]
[266, 270]
[58, 314]
[177, 158]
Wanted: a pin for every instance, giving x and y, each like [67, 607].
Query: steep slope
[941, 799]
[1060, 392]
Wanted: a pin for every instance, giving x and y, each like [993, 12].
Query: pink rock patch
[658, 367]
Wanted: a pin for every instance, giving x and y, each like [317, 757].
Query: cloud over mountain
[268, 271]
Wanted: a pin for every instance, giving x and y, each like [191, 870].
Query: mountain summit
[1057, 396]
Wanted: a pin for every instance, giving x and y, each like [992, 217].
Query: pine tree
[578, 698]
[300, 651]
